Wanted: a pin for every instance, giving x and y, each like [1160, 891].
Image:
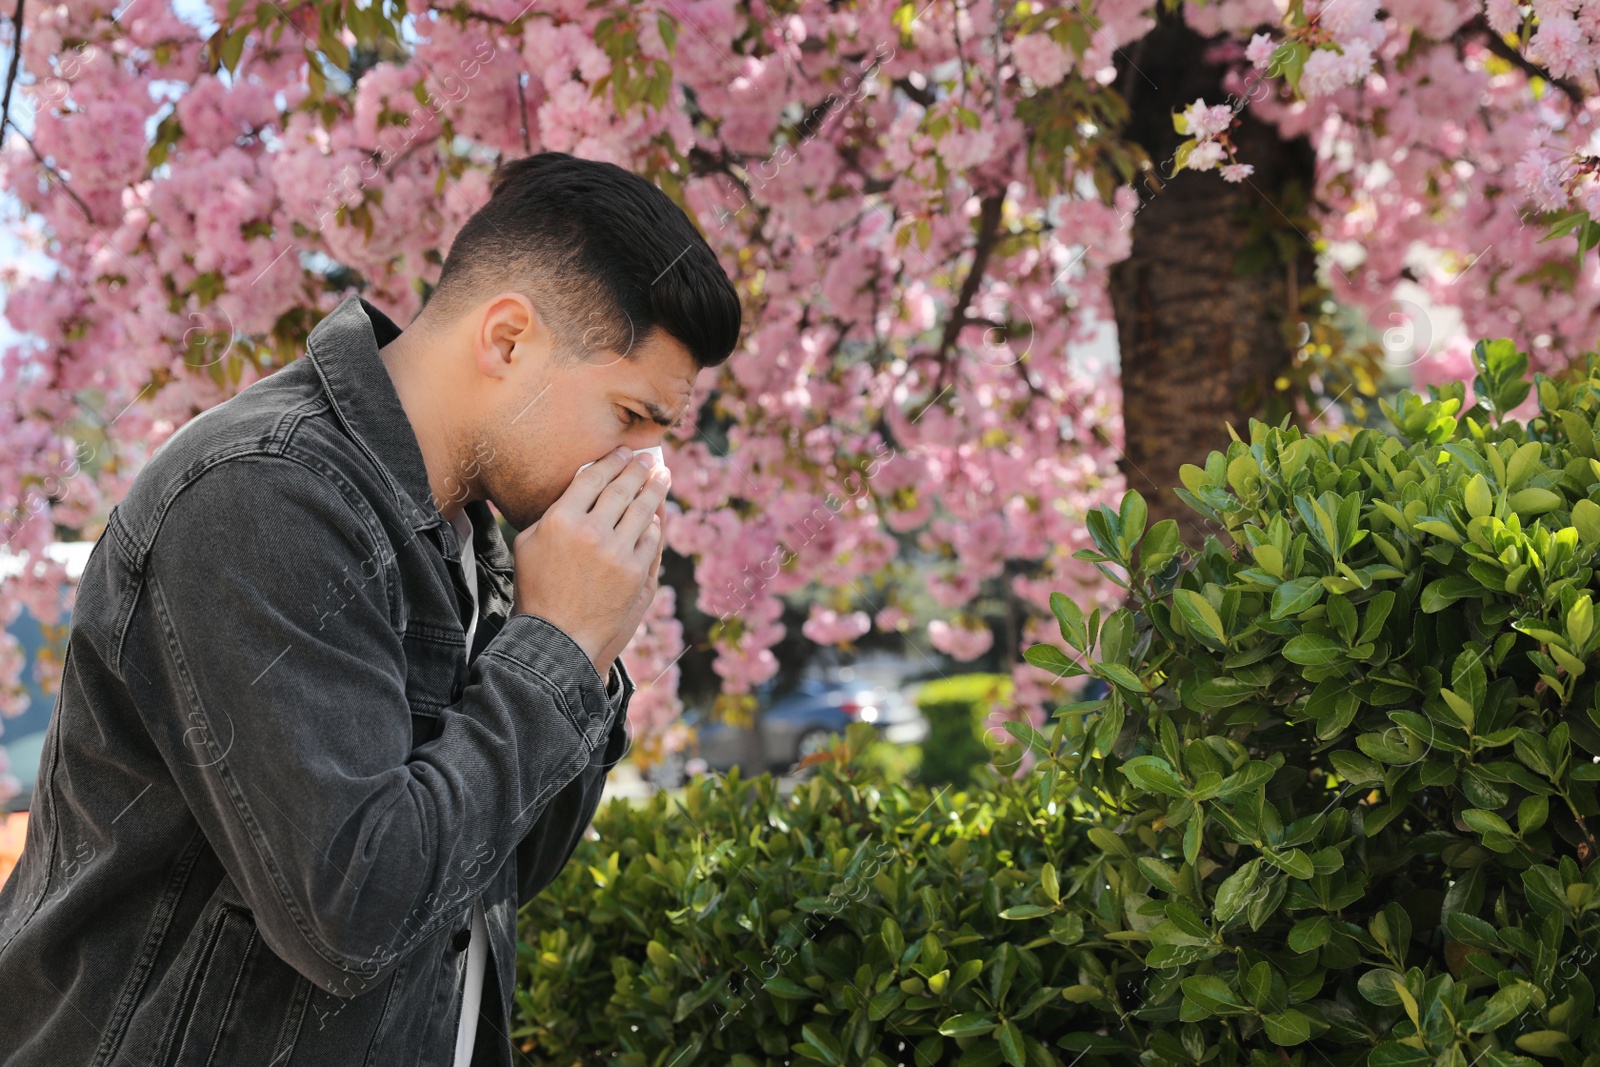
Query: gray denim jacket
[272, 787]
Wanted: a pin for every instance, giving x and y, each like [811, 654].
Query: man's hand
[592, 564]
[642, 603]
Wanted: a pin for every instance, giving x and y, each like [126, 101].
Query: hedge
[1337, 806]
[956, 709]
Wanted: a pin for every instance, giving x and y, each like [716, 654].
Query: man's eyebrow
[662, 415]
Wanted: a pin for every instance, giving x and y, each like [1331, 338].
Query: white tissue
[654, 450]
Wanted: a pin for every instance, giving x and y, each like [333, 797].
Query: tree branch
[53, 172]
[922, 96]
[988, 234]
[1497, 44]
[16, 62]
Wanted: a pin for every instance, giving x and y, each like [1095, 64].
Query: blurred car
[789, 726]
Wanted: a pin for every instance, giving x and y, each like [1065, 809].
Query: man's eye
[631, 416]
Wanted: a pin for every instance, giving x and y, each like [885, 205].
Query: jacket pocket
[436, 667]
[206, 1017]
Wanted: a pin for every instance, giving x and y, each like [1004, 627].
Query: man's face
[568, 415]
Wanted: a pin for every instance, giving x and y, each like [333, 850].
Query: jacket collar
[344, 349]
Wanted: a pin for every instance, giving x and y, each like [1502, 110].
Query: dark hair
[605, 256]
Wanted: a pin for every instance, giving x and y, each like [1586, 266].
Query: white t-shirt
[478, 947]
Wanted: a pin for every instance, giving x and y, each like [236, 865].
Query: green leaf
[1011, 1044]
[1135, 513]
[1355, 768]
[1287, 1027]
[1256, 985]
[1470, 679]
[893, 939]
[1485, 822]
[1461, 706]
[1504, 1006]
[1036, 742]
[1394, 1054]
[824, 1042]
[1309, 934]
[1477, 497]
[1543, 1043]
[1312, 650]
[1295, 596]
[1294, 861]
[1586, 517]
[1531, 814]
[969, 1025]
[1580, 621]
[1224, 691]
[1531, 502]
[1159, 546]
[1379, 986]
[1442, 592]
[1070, 619]
[668, 28]
[1154, 775]
[1117, 674]
[1288, 60]
[787, 989]
[1212, 993]
[1251, 775]
[1052, 659]
[1235, 890]
[1160, 875]
[1201, 618]
[1471, 930]
[233, 48]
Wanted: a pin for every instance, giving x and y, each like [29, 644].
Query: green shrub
[1343, 793]
[897, 764]
[956, 708]
[1337, 807]
[845, 925]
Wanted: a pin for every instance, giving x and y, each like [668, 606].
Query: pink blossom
[1559, 44]
[1237, 172]
[1206, 122]
[1503, 16]
[1259, 50]
[829, 627]
[959, 642]
[1205, 155]
[1327, 70]
[1039, 57]
[1538, 172]
[1342, 17]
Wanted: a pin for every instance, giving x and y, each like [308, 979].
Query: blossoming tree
[928, 207]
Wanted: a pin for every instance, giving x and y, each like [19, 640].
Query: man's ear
[510, 330]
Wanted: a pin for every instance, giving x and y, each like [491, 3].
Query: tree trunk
[1203, 344]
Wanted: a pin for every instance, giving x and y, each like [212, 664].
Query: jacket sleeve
[273, 626]
[549, 846]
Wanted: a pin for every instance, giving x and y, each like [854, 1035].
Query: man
[320, 732]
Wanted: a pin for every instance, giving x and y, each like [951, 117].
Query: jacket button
[462, 939]
[589, 702]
